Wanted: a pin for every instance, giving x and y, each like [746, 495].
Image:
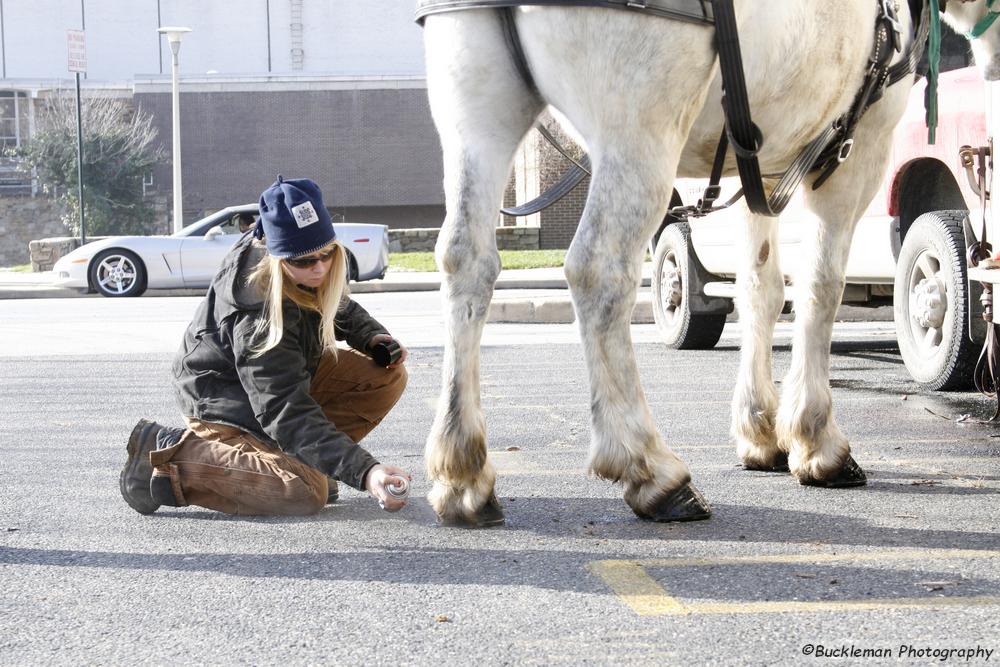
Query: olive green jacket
[217, 379]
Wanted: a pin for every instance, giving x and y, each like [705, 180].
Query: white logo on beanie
[305, 214]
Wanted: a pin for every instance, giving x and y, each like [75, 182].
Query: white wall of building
[230, 37]
[227, 36]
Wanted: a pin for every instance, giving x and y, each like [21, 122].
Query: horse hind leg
[760, 298]
[482, 110]
[603, 268]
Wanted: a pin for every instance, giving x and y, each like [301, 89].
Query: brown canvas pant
[226, 469]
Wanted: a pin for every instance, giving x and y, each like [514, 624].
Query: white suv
[908, 250]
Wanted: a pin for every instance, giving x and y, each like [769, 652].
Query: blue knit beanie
[293, 219]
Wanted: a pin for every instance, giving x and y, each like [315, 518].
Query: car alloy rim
[116, 274]
[671, 289]
[928, 300]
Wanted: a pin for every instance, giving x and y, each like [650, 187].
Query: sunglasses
[309, 262]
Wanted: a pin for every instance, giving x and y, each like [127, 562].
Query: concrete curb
[504, 309]
[554, 310]
[39, 285]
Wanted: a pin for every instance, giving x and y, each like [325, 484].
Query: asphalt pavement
[898, 572]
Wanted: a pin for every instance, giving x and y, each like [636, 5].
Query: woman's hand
[385, 338]
[377, 479]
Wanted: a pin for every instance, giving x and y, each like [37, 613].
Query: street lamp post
[174, 38]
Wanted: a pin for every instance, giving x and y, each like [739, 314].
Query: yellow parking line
[906, 554]
[638, 590]
[645, 596]
[795, 606]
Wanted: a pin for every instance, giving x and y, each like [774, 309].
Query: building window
[13, 119]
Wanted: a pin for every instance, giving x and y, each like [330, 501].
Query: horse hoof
[850, 474]
[488, 516]
[779, 464]
[684, 504]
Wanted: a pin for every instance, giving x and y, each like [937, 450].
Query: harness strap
[915, 51]
[741, 131]
[691, 11]
[713, 191]
[514, 47]
[876, 80]
[544, 131]
[573, 176]
[826, 151]
[984, 23]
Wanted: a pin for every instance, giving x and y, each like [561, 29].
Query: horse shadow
[571, 545]
[603, 519]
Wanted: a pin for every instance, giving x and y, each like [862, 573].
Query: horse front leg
[760, 298]
[467, 257]
[603, 268]
[818, 452]
[482, 109]
[456, 446]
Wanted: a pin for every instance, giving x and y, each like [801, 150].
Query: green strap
[934, 57]
[933, 68]
[985, 22]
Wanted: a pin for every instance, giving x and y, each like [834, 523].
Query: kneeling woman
[274, 410]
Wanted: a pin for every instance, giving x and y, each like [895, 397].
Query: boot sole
[140, 505]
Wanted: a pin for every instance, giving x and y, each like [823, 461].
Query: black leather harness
[694, 11]
[825, 153]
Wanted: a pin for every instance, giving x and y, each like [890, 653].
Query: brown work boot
[135, 476]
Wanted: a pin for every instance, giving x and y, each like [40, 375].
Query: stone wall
[517, 238]
[46, 252]
[23, 219]
[423, 240]
[413, 240]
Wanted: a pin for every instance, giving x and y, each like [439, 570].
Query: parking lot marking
[643, 594]
[629, 580]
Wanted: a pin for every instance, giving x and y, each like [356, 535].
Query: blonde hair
[269, 276]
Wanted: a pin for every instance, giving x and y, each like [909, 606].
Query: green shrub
[118, 151]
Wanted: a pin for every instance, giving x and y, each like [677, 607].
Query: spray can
[398, 488]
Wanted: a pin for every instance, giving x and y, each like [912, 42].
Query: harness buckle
[846, 146]
[711, 195]
[887, 10]
[636, 4]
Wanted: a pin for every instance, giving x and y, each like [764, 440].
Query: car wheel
[118, 272]
[931, 302]
[678, 326]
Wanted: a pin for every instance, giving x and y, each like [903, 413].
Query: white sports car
[129, 265]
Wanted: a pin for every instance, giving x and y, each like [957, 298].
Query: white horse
[643, 93]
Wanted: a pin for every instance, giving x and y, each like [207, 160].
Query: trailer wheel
[678, 326]
[931, 303]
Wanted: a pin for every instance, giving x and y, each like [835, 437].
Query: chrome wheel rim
[116, 274]
[671, 288]
[929, 303]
